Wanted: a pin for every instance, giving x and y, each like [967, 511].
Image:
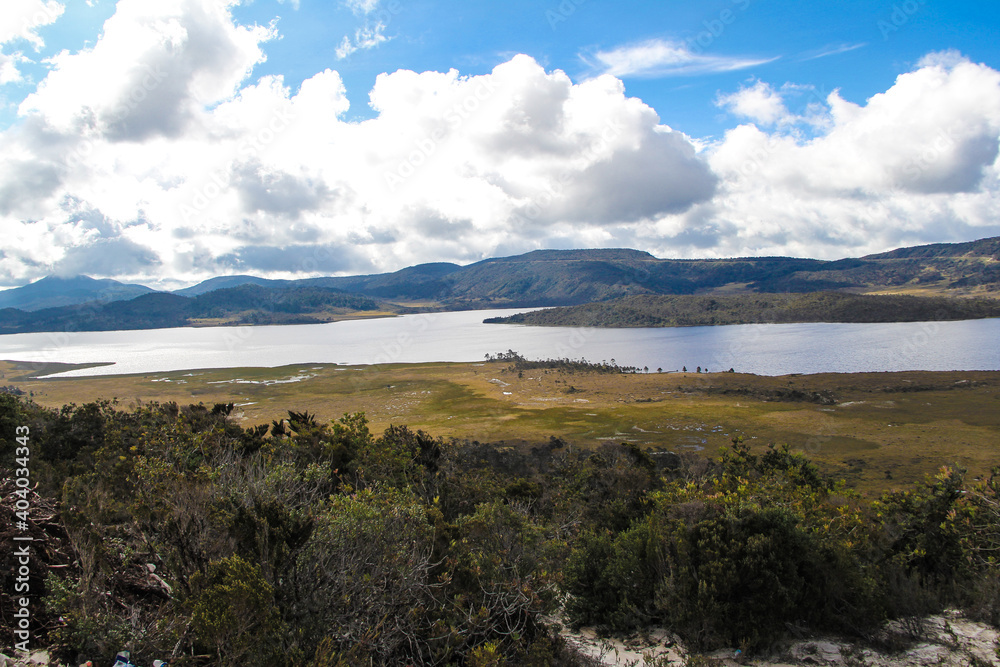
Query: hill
[226, 282]
[53, 291]
[244, 304]
[540, 278]
[413, 282]
[689, 310]
[570, 277]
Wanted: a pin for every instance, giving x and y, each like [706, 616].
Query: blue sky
[737, 127]
[856, 46]
[868, 43]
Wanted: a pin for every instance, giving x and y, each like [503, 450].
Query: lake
[765, 349]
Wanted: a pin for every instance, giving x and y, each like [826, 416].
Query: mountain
[224, 282]
[243, 304]
[567, 277]
[415, 282]
[54, 291]
[570, 277]
[538, 278]
[973, 249]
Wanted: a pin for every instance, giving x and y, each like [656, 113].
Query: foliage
[201, 541]
[695, 310]
[766, 543]
[233, 613]
[520, 363]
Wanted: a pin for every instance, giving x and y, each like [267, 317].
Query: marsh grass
[875, 430]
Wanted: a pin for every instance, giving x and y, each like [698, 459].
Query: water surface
[765, 349]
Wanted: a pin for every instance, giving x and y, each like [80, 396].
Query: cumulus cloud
[153, 68]
[914, 164]
[107, 257]
[9, 73]
[20, 20]
[158, 146]
[327, 259]
[661, 58]
[211, 171]
[759, 102]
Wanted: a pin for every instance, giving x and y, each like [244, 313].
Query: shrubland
[182, 535]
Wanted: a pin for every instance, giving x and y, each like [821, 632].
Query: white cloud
[759, 102]
[207, 170]
[832, 51]
[154, 66]
[362, 6]
[253, 176]
[9, 73]
[21, 19]
[917, 163]
[365, 37]
[661, 58]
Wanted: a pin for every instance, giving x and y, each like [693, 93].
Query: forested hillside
[176, 532]
[244, 304]
[538, 278]
[569, 277]
[673, 311]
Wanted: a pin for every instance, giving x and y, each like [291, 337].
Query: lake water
[765, 349]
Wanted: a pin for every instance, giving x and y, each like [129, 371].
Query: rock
[928, 654]
[817, 653]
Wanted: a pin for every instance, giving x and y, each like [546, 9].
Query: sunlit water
[765, 349]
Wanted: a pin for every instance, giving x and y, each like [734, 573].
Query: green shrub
[233, 613]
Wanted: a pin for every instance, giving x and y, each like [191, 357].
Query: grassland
[875, 430]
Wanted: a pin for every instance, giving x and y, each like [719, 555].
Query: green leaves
[233, 612]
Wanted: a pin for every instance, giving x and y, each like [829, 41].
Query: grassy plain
[875, 430]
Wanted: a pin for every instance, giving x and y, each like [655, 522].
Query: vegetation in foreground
[177, 533]
[691, 310]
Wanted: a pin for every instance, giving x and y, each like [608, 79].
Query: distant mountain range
[53, 291]
[243, 304]
[538, 278]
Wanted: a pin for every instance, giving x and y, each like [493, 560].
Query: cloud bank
[157, 146]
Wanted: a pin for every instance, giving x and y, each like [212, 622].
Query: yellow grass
[879, 432]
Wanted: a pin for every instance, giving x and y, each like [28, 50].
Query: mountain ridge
[540, 278]
[55, 291]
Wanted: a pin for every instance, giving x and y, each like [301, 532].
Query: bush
[233, 613]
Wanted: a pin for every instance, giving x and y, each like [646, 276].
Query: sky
[168, 142]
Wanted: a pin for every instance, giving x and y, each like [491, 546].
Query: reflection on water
[766, 349]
